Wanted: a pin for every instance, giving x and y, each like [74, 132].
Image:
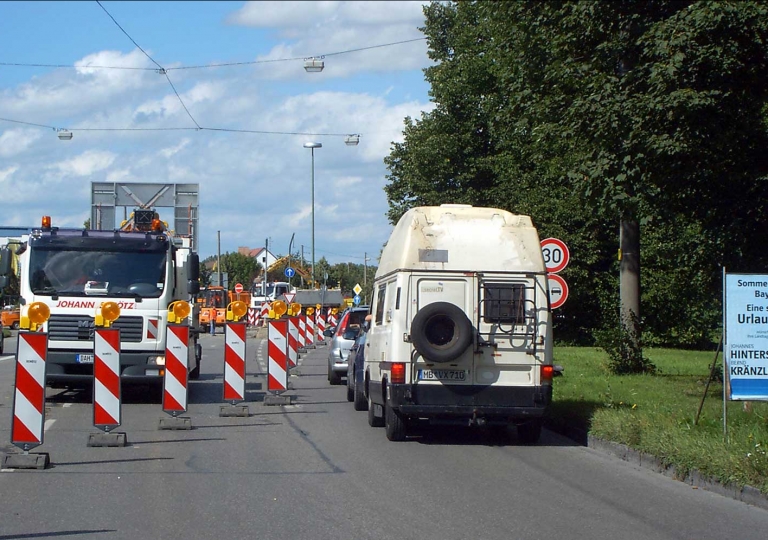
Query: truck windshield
[73, 272]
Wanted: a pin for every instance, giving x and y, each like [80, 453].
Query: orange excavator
[214, 306]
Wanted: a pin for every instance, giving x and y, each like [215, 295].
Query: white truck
[74, 271]
[274, 290]
[461, 327]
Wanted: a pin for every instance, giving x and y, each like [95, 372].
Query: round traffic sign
[556, 254]
[239, 288]
[356, 299]
[558, 290]
[289, 272]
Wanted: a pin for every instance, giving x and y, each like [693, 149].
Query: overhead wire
[162, 70]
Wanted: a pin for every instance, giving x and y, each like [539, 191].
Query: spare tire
[441, 332]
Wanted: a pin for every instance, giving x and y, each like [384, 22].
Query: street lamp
[312, 146]
[64, 135]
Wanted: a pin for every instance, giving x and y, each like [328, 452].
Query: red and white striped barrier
[277, 367]
[29, 397]
[310, 330]
[253, 316]
[152, 325]
[176, 378]
[320, 325]
[332, 321]
[234, 362]
[302, 331]
[293, 341]
[106, 378]
[265, 307]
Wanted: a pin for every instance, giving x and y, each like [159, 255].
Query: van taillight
[547, 372]
[398, 373]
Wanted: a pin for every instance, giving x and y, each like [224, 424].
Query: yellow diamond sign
[358, 289]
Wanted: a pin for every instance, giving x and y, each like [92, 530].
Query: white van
[461, 329]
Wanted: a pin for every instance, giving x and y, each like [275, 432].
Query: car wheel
[373, 420]
[394, 424]
[350, 390]
[359, 403]
[441, 332]
[333, 377]
[529, 432]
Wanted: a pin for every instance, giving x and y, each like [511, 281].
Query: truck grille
[80, 328]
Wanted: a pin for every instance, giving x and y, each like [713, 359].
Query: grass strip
[655, 413]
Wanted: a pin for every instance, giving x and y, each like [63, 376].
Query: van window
[504, 303]
[380, 295]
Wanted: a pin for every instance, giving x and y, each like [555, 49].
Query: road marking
[67, 405]
[3, 358]
[48, 424]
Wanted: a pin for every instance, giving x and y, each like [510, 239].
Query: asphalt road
[315, 470]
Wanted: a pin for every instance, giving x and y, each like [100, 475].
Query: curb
[747, 494]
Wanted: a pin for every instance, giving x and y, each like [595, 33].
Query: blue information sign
[356, 299]
[289, 272]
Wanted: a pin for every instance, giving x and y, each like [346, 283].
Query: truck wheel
[373, 420]
[394, 424]
[15, 325]
[530, 432]
[441, 332]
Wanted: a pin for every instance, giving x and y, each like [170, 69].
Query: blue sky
[252, 186]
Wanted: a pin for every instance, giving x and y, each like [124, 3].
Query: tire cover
[441, 332]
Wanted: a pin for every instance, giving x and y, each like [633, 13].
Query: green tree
[587, 114]
[240, 269]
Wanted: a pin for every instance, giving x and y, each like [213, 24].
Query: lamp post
[312, 146]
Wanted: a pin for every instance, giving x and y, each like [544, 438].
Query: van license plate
[442, 375]
[84, 359]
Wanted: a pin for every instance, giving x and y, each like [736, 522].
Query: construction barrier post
[310, 331]
[106, 388]
[277, 363]
[302, 332]
[234, 370]
[27, 428]
[176, 378]
[293, 342]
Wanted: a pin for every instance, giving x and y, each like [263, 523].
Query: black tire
[15, 325]
[394, 424]
[333, 377]
[359, 403]
[441, 332]
[350, 391]
[529, 432]
[194, 375]
[373, 420]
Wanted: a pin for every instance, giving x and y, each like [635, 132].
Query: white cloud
[16, 141]
[7, 172]
[173, 150]
[346, 181]
[87, 163]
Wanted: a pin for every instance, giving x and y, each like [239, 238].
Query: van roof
[462, 238]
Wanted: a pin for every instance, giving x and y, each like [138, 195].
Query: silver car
[342, 338]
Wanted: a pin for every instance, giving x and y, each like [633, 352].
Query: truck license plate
[84, 359]
[442, 375]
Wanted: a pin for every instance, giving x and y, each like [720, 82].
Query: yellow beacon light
[294, 308]
[178, 311]
[236, 310]
[310, 310]
[109, 312]
[279, 307]
[37, 314]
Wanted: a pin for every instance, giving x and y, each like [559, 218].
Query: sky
[252, 186]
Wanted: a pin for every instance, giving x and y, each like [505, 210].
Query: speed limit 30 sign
[556, 254]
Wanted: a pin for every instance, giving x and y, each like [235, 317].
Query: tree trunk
[629, 282]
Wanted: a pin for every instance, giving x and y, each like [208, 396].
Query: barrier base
[114, 439]
[277, 399]
[234, 410]
[25, 461]
[175, 422]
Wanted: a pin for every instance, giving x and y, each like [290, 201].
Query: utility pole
[290, 247]
[218, 258]
[266, 252]
[302, 265]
